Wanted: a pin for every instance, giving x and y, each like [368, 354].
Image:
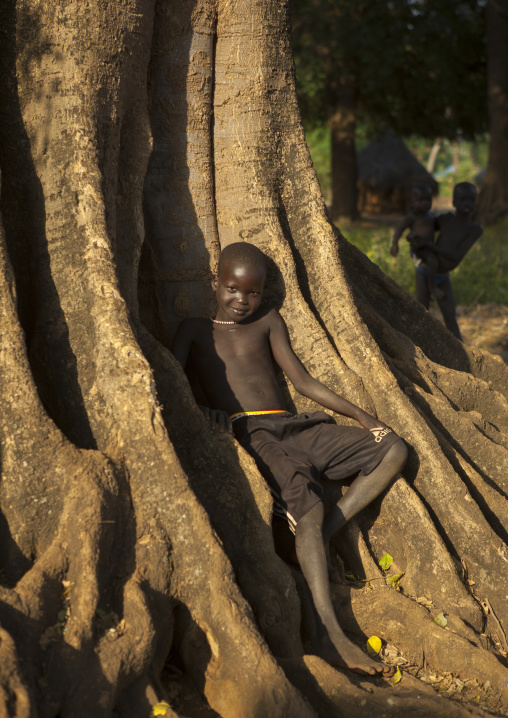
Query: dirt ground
[484, 325]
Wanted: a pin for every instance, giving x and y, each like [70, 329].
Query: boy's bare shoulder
[272, 318]
[445, 218]
[189, 329]
[195, 321]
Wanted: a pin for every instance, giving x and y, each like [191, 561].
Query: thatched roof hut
[387, 170]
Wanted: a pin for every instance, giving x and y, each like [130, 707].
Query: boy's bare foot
[344, 654]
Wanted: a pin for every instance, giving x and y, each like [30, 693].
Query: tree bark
[493, 199]
[433, 155]
[342, 126]
[137, 138]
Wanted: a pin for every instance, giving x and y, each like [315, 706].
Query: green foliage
[482, 277]
[407, 59]
[472, 156]
[318, 141]
[375, 241]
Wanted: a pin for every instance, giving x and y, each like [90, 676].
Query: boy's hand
[418, 243]
[369, 422]
[218, 418]
[394, 249]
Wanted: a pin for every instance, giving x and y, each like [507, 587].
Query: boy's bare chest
[423, 224]
[233, 343]
[453, 232]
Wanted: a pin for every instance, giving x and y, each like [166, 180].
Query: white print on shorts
[379, 433]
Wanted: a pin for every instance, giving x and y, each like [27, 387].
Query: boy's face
[239, 291]
[464, 200]
[422, 201]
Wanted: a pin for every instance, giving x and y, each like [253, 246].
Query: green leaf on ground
[386, 561]
[440, 620]
[395, 578]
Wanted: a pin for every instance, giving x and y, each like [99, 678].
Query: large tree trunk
[126, 527]
[342, 126]
[493, 199]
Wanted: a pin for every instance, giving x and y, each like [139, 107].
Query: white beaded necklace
[219, 321]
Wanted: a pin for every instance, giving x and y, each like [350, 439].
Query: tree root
[14, 696]
[342, 694]
[387, 613]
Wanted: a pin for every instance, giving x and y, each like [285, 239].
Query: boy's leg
[422, 290]
[365, 489]
[447, 307]
[432, 264]
[331, 643]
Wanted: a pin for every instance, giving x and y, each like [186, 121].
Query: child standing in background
[421, 222]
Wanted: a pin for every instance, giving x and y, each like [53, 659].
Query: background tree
[126, 527]
[493, 199]
[385, 67]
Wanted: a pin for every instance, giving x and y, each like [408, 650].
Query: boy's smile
[422, 202]
[464, 202]
[239, 291]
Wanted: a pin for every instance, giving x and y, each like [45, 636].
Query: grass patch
[482, 277]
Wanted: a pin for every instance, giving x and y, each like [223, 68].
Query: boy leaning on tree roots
[232, 356]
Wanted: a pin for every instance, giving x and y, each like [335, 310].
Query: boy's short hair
[242, 253]
[464, 187]
[420, 189]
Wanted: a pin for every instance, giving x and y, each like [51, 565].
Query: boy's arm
[405, 224]
[182, 342]
[462, 249]
[307, 385]
[180, 348]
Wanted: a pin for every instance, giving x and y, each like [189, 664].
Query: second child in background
[457, 234]
[421, 222]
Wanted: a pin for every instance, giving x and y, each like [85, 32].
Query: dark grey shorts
[294, 451]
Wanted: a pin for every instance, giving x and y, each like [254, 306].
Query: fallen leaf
[160, 709]
[440, 620]
[395, 578]
[424, 601]
[397, 676]
[386, 561]
[374, 645]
